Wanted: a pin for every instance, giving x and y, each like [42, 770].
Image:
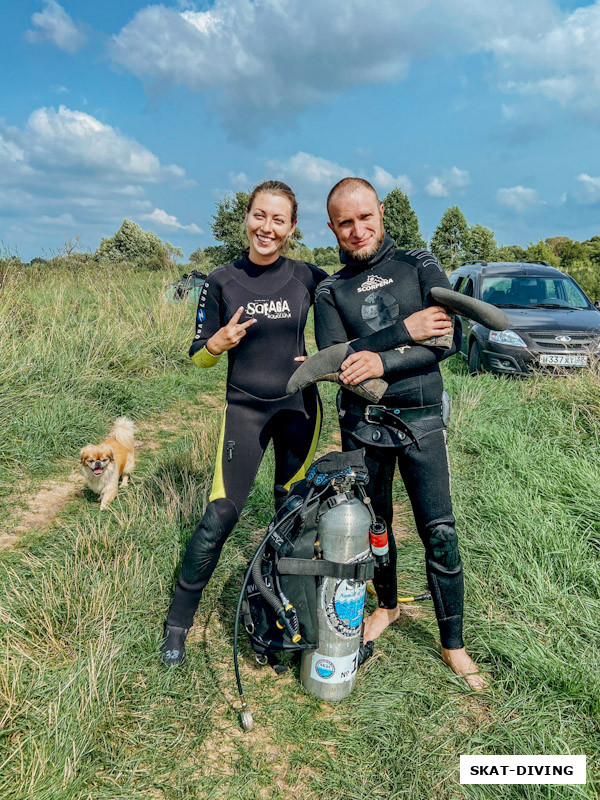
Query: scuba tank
[304, 588]
[329, 672]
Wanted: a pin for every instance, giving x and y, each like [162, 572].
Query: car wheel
[475, 364]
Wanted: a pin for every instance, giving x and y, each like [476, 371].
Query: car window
[467, 288]
[456, 283]
[495, 290]
[532, 291]
[574, 296]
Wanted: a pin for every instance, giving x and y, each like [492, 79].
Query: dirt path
[42, 508]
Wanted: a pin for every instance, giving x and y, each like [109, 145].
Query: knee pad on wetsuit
[207, 540]
[445, 580]
[442, 550]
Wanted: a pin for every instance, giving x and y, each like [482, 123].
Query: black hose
[270, 596]
[247, 574]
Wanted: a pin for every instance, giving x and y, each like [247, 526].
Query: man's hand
[360, 366]
[229, 335]
[432, 321]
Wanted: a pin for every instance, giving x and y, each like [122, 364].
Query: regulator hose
[262, 587]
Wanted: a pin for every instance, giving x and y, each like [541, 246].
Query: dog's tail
[122, 430]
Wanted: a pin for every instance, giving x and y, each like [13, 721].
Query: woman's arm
[208, 322]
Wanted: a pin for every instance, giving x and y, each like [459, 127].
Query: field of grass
[86, 710]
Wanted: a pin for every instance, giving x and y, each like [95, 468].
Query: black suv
[552, 322]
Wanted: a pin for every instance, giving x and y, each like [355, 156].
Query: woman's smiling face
[269, 225]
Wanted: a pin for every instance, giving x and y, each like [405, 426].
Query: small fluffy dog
[103, 464]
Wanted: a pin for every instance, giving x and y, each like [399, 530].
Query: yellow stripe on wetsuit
[217, 491]
[311, 452]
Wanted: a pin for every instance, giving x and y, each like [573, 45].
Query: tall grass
[78, 349]
[87, 711]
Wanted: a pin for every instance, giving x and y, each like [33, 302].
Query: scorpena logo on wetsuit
[271, 309]
[373, 282]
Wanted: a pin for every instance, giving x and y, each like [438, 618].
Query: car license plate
[561, 360]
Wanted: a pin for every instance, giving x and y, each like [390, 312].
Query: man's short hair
[349, 185]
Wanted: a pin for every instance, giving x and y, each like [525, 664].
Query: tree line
[454, 242]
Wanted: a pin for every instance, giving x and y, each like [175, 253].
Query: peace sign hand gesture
[229, 335]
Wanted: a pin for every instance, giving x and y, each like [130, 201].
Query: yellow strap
[204, 359]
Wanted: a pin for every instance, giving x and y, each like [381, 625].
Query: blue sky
[154, 112]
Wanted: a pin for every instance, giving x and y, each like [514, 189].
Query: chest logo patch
[271, 309]
[374, 282]
[379, 310]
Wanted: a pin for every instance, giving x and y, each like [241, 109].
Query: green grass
[87, 711]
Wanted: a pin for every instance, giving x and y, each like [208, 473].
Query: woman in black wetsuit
[256, 310]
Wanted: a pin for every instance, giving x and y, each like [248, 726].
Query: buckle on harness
[384, 415]
[373, 413]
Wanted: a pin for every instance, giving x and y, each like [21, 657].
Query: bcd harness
[279, 598]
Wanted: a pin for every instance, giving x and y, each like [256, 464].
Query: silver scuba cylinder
[329, 672]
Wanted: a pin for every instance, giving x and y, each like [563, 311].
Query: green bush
[143, 248]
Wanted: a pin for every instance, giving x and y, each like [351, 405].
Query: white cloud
[311, 169]
[61, 220]
[165, 220]
[263, 61]
[260, 62]
[53, 24]
[74, 140]
[518, 198]
[311, 177]
[590, 188]
[560, 60]
[436, 188]
[10, 152]
[239, 180]
[69, 169]
[384, 181]
[448, 182]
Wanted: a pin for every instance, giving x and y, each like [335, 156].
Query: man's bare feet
[377, 622]
[463, 665]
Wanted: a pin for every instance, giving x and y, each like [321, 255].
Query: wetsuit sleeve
[392, 336]
[329, 328]
[208, 322]
[418, 356]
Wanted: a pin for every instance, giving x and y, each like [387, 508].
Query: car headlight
[507, 337]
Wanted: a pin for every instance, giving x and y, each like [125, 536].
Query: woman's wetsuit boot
[199, 562]
[172, 648]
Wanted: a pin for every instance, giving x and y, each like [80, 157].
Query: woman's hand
[229, 335]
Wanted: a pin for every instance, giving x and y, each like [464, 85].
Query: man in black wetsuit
[378, 301]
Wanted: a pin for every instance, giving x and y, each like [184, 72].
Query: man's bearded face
[357, 222]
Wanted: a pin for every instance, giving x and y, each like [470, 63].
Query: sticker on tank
[333, 669]
[343, 603]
